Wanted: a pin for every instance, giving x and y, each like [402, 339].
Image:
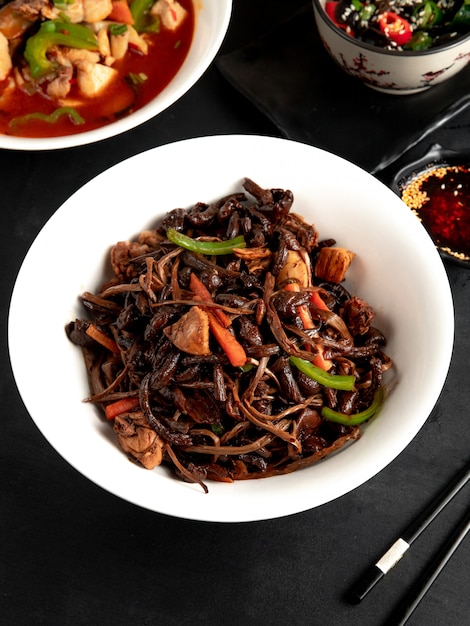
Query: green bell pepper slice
[335, 381]
[357, 418]
[205, 247]
[51, 33]
[143, 21]
[73, 115]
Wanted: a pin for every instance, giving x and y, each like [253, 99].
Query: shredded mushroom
[198, 367]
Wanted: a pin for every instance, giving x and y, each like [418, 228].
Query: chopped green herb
[117, 29]
[137, 79]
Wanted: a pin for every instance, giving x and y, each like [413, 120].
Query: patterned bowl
[390, 71]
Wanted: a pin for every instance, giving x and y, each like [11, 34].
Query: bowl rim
[264, 158]
[321, 13]
[222, 10]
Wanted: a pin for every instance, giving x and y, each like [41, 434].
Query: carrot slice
[120, 12]
[302, 309]
[229, 344]
[317, 300]
[103, 339]
[307, 322]
[120, 406]
[320, 361]
[200, 290]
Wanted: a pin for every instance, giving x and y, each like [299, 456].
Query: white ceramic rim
[118, 211]
[212, 31]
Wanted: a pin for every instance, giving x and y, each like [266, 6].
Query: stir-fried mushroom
[216, 348]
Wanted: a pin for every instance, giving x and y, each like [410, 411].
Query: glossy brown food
[225, 345]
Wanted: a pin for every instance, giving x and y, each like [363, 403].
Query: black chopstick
[430, 575]
[376, 572]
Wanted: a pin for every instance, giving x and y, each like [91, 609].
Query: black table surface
[73, 554]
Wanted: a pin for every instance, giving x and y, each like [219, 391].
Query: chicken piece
[96, 10]
[256, 259]
[119, 45]
[333, 263]
[60, 86]
[14, 24]
[136, 40]
[295, 269]
[358, 315]
[138, 440]
[94, 78]
[150, 237]
[31, 9]
[7, 93]
[73, 12]
[77, 56]
[170, 12]
[122, 254]
[104, 46]
[19, 79]
[5, 58]
[191, 332]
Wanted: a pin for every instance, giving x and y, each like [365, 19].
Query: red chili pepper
[330, 8]
[395, 27]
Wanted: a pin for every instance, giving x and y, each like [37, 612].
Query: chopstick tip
[361, 588]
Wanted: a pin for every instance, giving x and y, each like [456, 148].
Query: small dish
[436, 187]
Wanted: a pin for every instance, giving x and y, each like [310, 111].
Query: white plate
[398, 270]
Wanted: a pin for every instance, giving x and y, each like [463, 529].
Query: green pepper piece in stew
[55, 32]
[143, 21]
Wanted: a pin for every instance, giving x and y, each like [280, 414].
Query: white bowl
[389, 71]
[397, 269]
[212, 19]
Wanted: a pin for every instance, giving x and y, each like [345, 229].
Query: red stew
[167, 52]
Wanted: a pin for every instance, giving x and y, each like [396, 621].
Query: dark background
[72, 554]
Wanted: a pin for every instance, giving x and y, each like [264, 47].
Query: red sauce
[441, 199]
[167, 52]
